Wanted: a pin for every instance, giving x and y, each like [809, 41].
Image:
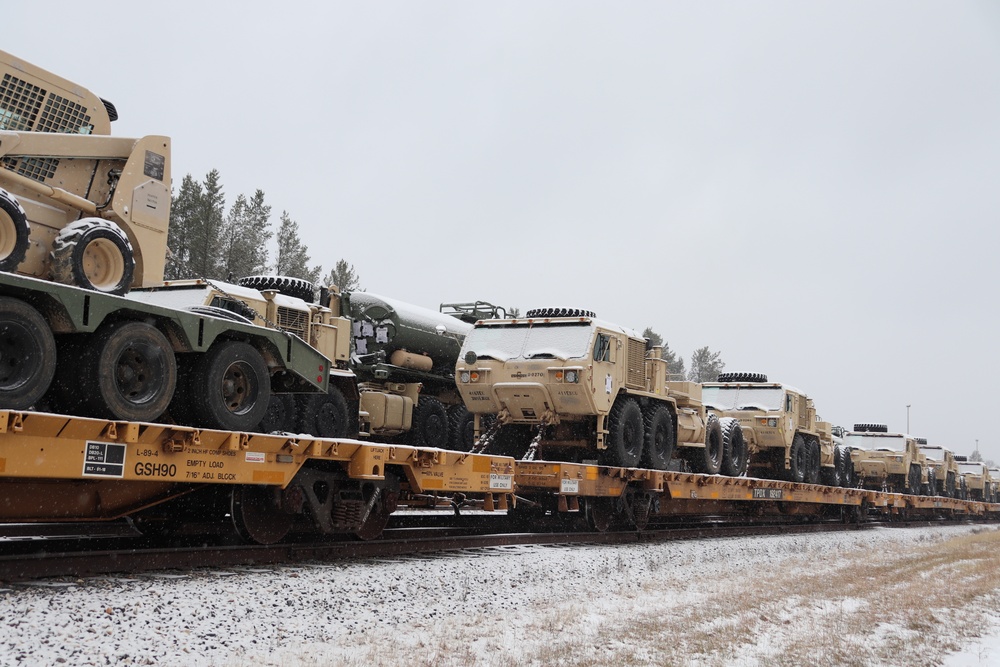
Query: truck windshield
[933, 453]
[970, 468]
[895, 443]
[743, 398]
[524, 341]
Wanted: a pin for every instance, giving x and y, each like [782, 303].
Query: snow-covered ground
[877, 597]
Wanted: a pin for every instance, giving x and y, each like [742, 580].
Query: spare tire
[14, 232]
[559, 312]
[742, 377]
[287, 285]
[871, 428]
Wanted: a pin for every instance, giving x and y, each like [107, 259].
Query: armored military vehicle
[888, 461]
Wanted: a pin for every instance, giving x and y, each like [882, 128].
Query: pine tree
[245, 234]
[343, 276]
[705, 365]
[183, 220]
[654, 338]
[205, 229]
[293, 256]
[675, 364]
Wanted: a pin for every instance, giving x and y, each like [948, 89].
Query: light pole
[907, 418]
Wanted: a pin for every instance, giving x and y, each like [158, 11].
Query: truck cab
[889, 461]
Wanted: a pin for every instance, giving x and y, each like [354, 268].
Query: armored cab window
[602, 348]
[788, 402]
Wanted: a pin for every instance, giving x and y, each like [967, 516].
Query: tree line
[705, 364]
[207, 241]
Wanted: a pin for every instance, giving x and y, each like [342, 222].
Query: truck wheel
[93, 254]
[847, 478]
[430, 424]
[709, 460]
[289, 286]
[625, 434]
[913, 480]
[461, 428]
[127, 372]
[14, 232]
[659, 430]
[798, 460]
[734, 448]
[834, 475]
[27, 355]
[280, 415]
[949, 485]
[812, 474]
[326, 415]
[230, 387]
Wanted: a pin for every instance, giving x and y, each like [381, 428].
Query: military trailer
[77, 206]
[943, 467]
[785, 438]
[887, 461]
[564, 385]
[393, 368]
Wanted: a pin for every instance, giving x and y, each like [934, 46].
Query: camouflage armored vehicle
[888, 461]
[978, 481]
[785, 438]
[943, 467]
[77, 206]
[565, 385]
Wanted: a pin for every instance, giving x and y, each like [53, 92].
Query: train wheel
[383, 503]
[462, 428]
[14, 232]
[27, 355]
[326, 415]
[798, 460]
[281, 414]
[600, 513]
[625, 435]
[659, 438]
[709, 460]
[430, 424]
[128, 372]
[230, 387]
[257, 514]
[735, 456]
[93, 254]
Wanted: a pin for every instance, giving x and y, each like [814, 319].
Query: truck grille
[26, 107]
[636, 375]
[294, 321]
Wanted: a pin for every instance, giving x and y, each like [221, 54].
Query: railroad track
[73, 558]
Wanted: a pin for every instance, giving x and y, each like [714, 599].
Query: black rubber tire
[625, 434]
[659, 434]
[871, 428]
[230, 387]
[950, 487]
[913, 480]
[281, 415]
[27, 355]
[930, 489]
[812, 474]
[461, 428]
[326, 415]
[14, 232]
[559, 312]
[287, 285]
[735, 456]
[430, 424]
[127, 372]
[84, 252]
[798, 463]
[708, 460]
[847, 477]
[834, 475]
[742, 377]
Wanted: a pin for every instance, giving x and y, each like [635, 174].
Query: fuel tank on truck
[403, 334]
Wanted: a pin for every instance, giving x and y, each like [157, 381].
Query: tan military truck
[995, 486]
[77, 206]
[943, 468]
[564, 385]
[785, 438]
[887, 461]
[979, 483]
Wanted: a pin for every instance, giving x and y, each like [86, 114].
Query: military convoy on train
[889, 461]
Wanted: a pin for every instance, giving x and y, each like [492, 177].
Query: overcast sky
[810, 188]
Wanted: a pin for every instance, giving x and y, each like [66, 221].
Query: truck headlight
[572, 376]
[465, 377]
